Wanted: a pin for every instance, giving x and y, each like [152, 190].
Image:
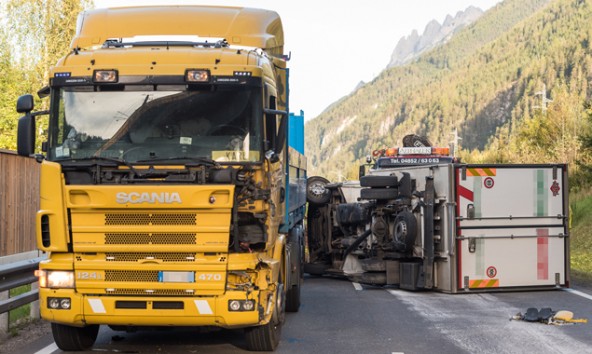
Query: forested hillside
[33, 35]
[483, 83]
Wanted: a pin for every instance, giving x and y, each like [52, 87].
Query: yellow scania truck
[171, 191]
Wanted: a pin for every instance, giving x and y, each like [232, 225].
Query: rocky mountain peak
[434, 34]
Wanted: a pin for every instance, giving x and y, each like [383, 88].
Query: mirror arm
[275, 111]
[39, 113]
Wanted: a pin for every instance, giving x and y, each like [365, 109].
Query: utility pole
[455, 142]
[544, 99]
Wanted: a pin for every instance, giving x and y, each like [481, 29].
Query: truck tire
[379, 181]
[405, 231]
[379, 193]
[267, 337]
[316, 190]
[413, 140]
[74, 339]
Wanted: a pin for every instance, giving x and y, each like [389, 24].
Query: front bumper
[154, 311]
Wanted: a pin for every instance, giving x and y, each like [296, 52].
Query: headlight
[60, 279]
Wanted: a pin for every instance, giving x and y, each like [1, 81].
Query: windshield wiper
[200, 160]
[95, 159]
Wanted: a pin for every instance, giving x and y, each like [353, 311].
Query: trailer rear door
[512, 226]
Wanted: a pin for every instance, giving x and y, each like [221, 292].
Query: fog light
[241, 305]
[234, 305]
[53, 303]
[65, 304]
[248, 305]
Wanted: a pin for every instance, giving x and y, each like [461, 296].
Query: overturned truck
[420, 219]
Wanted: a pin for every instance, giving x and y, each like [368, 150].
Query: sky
[336, 44]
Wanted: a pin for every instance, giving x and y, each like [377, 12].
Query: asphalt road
[340, 317]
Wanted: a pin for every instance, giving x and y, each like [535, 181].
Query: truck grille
[131, 276]
[133, 238]
[150, 219]
[160, 292]
[163, 257]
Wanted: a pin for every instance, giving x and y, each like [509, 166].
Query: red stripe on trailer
[465, 193]
[542, 254]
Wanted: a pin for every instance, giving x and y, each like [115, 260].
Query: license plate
[176, 277]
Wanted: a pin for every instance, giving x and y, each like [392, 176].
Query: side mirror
[361, 171]
[25, 139]
[25, 104]
[280, 139]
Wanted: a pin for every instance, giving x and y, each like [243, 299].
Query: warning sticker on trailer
[484, 172]
[555, 188]
[491, 272]
[483, 283]
[488, 182]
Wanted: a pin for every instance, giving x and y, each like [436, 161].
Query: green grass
[581, 231]
[20, 313]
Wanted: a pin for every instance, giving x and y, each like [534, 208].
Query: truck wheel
[379, 181]
[316, 190]
[69, 338]
[267, 337]
[405, 231]
[379, 193]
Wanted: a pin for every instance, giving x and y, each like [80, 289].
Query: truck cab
[166, 197]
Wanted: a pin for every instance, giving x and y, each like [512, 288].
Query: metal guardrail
[17, 274]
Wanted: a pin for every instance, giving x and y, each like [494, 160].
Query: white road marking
[48, 350]
[579, 293]
[357, 286]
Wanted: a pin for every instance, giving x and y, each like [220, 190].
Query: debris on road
[547, 316]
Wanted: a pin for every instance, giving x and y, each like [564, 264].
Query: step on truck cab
[170, 194]
[420, 219]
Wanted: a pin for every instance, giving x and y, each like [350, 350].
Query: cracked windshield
[144, 126]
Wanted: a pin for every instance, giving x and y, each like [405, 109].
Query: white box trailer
[477, 228]
[497, 227]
